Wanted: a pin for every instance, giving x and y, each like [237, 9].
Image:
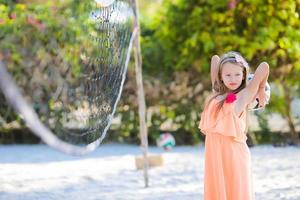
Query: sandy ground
[30, 172]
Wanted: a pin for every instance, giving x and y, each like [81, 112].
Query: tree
[190, 32]
[41, 45]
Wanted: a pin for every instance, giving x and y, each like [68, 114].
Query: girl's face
[232, 75]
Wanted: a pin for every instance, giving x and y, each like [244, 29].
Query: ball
[166, 141]
[255, 103]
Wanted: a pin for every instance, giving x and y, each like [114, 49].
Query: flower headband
[241, 60]
[235, 57]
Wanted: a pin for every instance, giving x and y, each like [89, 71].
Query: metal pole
[141, 95]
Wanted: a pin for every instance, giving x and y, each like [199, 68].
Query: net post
[141, 95]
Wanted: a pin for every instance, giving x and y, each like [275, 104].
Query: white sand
[30, 172]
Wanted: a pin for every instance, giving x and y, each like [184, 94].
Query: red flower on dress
[231, 97]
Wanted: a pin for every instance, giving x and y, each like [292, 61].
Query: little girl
[227, 170]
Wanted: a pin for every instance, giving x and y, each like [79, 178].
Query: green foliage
[184, 125]
[185, 35]
[190, 32]
[171, 108]
[177, 35]
[264, 136]
[40, 33]
[42, 45]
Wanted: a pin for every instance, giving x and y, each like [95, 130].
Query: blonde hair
[219, 87]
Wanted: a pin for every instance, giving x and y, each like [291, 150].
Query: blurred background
[178, 39]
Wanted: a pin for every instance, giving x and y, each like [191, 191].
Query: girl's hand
[214, 68]
[262, 97]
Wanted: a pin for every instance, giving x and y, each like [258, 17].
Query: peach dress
[227, 169]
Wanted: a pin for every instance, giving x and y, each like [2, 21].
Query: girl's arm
[261, 94]
[258, 82]
[214, 68]
[264, 81]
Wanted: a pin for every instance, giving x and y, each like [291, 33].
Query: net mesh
[81, 105]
